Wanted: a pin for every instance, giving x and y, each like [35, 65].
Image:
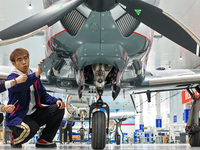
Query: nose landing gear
[99, 128]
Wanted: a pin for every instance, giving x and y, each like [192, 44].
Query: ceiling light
[30, 6]
[170, 65]
[180, 57]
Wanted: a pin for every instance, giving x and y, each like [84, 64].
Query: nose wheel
[98, 138]
[99, 128]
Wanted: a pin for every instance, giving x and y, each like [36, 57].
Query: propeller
[41, 20]
[162, 22]
[150, 15]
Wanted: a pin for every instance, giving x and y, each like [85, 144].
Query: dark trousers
[62, 131]
[69, 129]
[50, 116]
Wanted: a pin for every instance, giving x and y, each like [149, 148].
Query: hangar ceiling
[164, 53]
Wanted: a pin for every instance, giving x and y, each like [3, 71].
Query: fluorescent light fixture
[30, 6]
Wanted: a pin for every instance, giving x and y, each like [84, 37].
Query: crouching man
[30, 113]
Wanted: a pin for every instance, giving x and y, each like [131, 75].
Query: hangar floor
[109, 147]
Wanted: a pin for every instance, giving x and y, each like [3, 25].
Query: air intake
[127, 24]
[73, 21]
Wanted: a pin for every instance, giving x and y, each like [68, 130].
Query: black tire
[195, 139]
[82, 134]
[98, 138]
[118, 139]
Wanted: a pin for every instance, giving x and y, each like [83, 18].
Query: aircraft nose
[100, 5]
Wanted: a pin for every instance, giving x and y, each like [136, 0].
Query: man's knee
[23, 132]
[34, 129]
[62, 112]
[52, 109]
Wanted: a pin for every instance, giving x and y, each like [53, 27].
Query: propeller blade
[163, 23]
[41, 20]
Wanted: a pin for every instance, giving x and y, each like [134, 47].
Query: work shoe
[12, 142]
[43, 143]
[16, 145]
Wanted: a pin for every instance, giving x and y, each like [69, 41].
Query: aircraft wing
[165, 80]
[154, 81]
[121, 115]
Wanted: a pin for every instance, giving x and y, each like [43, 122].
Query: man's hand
[21, 78]
[60, 104]
[8, 108]
[39, 71]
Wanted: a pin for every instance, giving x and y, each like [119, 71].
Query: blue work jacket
[20, 93]
[70, 122]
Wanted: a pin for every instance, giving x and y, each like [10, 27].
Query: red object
[186, 97]
[41, 141]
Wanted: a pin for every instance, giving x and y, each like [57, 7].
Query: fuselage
[112, 42]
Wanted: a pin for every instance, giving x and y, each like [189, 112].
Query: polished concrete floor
[109, 147]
